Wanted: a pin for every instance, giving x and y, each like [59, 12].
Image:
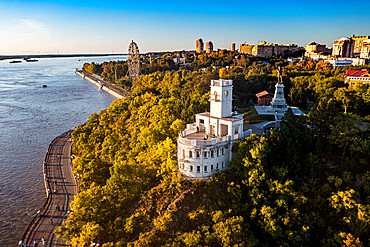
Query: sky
[80, 26]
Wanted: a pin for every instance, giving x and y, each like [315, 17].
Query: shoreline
[60, 188]
[106, 86]
[5, 57]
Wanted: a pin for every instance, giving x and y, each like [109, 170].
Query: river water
[30, 117]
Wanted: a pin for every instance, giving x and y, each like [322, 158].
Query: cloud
[24, 34]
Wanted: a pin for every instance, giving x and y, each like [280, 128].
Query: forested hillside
[305, 185]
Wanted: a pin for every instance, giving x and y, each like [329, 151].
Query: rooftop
[357, 73]
[261, 94]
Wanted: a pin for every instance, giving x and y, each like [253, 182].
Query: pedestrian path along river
[30, 117]
[61, 187]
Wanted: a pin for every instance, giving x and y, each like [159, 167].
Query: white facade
[221, 98]
[205, 146]
[337, 62]
[365, 50]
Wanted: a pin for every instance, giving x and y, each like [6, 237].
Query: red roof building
[359, 76]
[264, 98]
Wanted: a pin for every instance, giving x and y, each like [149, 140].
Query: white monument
[278, 102]
[204, 147]
[278, 105]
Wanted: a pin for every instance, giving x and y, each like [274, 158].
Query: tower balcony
[199, 138]
[195, 137]
[221, 83]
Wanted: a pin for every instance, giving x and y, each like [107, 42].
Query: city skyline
[49, 27]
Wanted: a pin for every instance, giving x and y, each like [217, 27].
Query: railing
[189, 132]
[221, 82]
[106, 84]
[49, 195]
[191, 142]
[191, 126]
[97, 77]
[210, 142]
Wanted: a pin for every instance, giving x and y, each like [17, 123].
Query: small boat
[44, 85]
[32, 60]
[15, 61]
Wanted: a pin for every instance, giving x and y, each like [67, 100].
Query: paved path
[62, 187]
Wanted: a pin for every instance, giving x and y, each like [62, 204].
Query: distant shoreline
[4, 57]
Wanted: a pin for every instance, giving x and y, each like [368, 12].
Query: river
[30, 117]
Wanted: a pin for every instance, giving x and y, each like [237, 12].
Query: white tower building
[204, 147]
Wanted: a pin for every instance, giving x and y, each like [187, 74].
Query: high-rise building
[268, 49]
[246, 49]
[315, 50]
[209, 47]
[233, 47]
[357, 44]
[342, 47]
[199, 46]
[365, 50]
[350, 47]
[314, 47]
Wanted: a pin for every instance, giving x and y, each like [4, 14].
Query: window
[211, 167]
[205, 154]
[222, 150]
[211, 153]
[226, 93]
[191, 168]
[190, 154]
[183, 166]
[198, 154]
[198, 169]
[226, 146]
[218, 152]
[201, 121]
[217, 166]
[222, 164]
[205, 169]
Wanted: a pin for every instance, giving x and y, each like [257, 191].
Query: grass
[248, 111]
[251, 115]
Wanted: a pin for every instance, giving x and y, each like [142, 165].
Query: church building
[204, 147]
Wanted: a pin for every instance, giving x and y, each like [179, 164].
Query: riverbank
[104, 85]
[4, 57]
[61, 187]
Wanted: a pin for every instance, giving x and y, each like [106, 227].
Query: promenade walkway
[101, 83]
[61, 188]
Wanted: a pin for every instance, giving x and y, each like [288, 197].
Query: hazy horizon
[85, 27]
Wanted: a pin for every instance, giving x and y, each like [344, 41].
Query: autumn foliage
[306, 184]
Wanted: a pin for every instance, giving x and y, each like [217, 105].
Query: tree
[344, 95]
